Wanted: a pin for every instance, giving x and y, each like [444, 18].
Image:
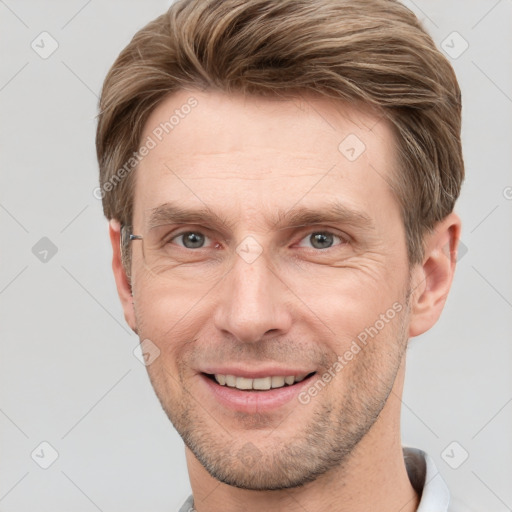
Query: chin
[261, 476]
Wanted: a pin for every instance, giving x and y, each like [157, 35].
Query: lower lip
[254, 401]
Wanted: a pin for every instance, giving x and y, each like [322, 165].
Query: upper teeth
[260, 384]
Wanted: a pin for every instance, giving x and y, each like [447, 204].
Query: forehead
[248, 153]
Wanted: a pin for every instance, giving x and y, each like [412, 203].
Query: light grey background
[68, 375]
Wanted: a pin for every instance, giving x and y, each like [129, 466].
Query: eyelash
[344, 239]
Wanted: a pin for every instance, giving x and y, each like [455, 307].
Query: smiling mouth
[259, 384]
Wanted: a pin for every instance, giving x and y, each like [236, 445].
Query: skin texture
[245, 159]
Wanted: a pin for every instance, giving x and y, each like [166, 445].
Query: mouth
[258, 384]
[256, 393]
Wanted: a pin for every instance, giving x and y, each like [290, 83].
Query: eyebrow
[169, 213]
[334, 212]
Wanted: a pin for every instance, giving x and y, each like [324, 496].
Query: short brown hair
[358, 51]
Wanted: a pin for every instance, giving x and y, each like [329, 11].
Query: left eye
[320, 240]
[191, 240]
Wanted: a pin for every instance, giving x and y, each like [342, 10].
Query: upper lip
[257, 373]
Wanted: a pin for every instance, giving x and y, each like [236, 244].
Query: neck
[373, 478]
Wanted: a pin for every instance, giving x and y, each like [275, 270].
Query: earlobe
[432, 279]
[123, 285]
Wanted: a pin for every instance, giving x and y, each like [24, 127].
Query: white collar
[426, 480]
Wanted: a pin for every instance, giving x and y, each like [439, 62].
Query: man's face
[295, 258]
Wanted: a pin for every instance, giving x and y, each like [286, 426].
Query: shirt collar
[426, 480]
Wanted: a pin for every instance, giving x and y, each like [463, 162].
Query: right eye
[190, 239]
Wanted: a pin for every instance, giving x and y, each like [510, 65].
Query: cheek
[348, 300]
[171, 315]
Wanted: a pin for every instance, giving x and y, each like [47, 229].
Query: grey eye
[321, 240]
[192, 240]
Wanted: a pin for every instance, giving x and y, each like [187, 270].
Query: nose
[252, 302]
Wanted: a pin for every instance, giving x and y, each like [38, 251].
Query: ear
[122, 282]
[431, 280]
